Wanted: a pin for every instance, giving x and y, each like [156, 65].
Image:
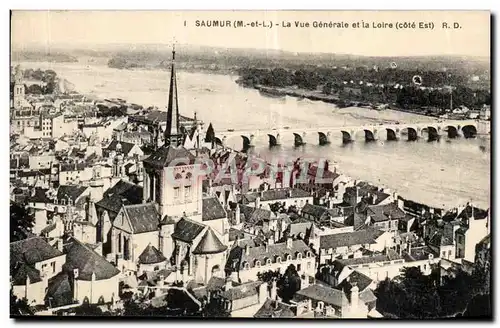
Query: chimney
[270, 240]
[354, 295]
[266, 245]
[60, 245]
[289, 243]
[374, 198]
[247, 250]
[257, 202]
[274, 289]
[237, 215]
[289, 193]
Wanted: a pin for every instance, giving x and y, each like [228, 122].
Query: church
[174, 226]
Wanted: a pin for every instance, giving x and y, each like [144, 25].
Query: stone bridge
[322, 135]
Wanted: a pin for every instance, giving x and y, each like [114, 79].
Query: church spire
[173, 134]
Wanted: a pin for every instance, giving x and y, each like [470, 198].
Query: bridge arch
[370, 135]
[274, 140]
[346, 137]
[433, 133]
[452, 131]
[298, 140]
[412, 133]
[324, 139]
[392, 134]
[469, 131]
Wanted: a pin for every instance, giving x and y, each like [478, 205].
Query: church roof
[142, 217]
[187, 230]
[87, 261]
[209, 244]
[212, 209]
[151, 255]
[166, 155]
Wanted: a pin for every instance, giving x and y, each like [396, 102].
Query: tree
[215, 309]
[18, 307]
[21, 222]
[289, 283]
[269, 276]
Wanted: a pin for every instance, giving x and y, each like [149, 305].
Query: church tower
[18, 89]
[170, 173]
[173, 134]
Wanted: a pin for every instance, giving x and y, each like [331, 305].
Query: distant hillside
[37, 56]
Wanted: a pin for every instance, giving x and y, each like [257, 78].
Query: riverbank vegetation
[376, 86]
[416, 296]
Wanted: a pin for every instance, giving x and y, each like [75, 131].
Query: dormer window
[268, 261]
[278, 259]
[309, 254]
[299, 256]
[63, 201]
[70, 202]
[257, 263]
[178, 176]
[246, 266]
[289, 257]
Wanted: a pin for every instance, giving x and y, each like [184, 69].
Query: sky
[87, 28]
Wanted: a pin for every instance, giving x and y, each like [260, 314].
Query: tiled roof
[323, 293]
[390, 256]
[39, 196]
[237, 257]
[151, 255]
[122, 193]
[365, 190]
[367, 296]
[66, 167]
[31, 250]
[212, 209]
[209, 244]
[142, 217]
[360, 279]
[419, 253]
[382, 213]
[60, 290]
[274, 309]
[277, 194]
[187, 230]
[252, 215]
[242, 291]
[478, 213]
[70, 192]
[361, 237]
[22, 271]
[87, 261]
[126, 147]
[166, 155]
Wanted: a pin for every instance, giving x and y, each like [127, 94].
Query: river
[442, 174]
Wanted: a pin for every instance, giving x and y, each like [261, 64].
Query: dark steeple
[173, 135]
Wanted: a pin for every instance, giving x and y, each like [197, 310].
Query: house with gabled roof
[33, 262]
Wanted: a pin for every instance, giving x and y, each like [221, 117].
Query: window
[53, 264]
[289, 258]
[444, 254]
[425, 266]
[299, 256]
[63, 201]
[257, 263]
[309, 254]
[268, 261]
[321, 306]
[177, 192]
[299, 267]
[308, 265]
[449, 253]
[278, 259]
[187, 192]
[246, 266]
